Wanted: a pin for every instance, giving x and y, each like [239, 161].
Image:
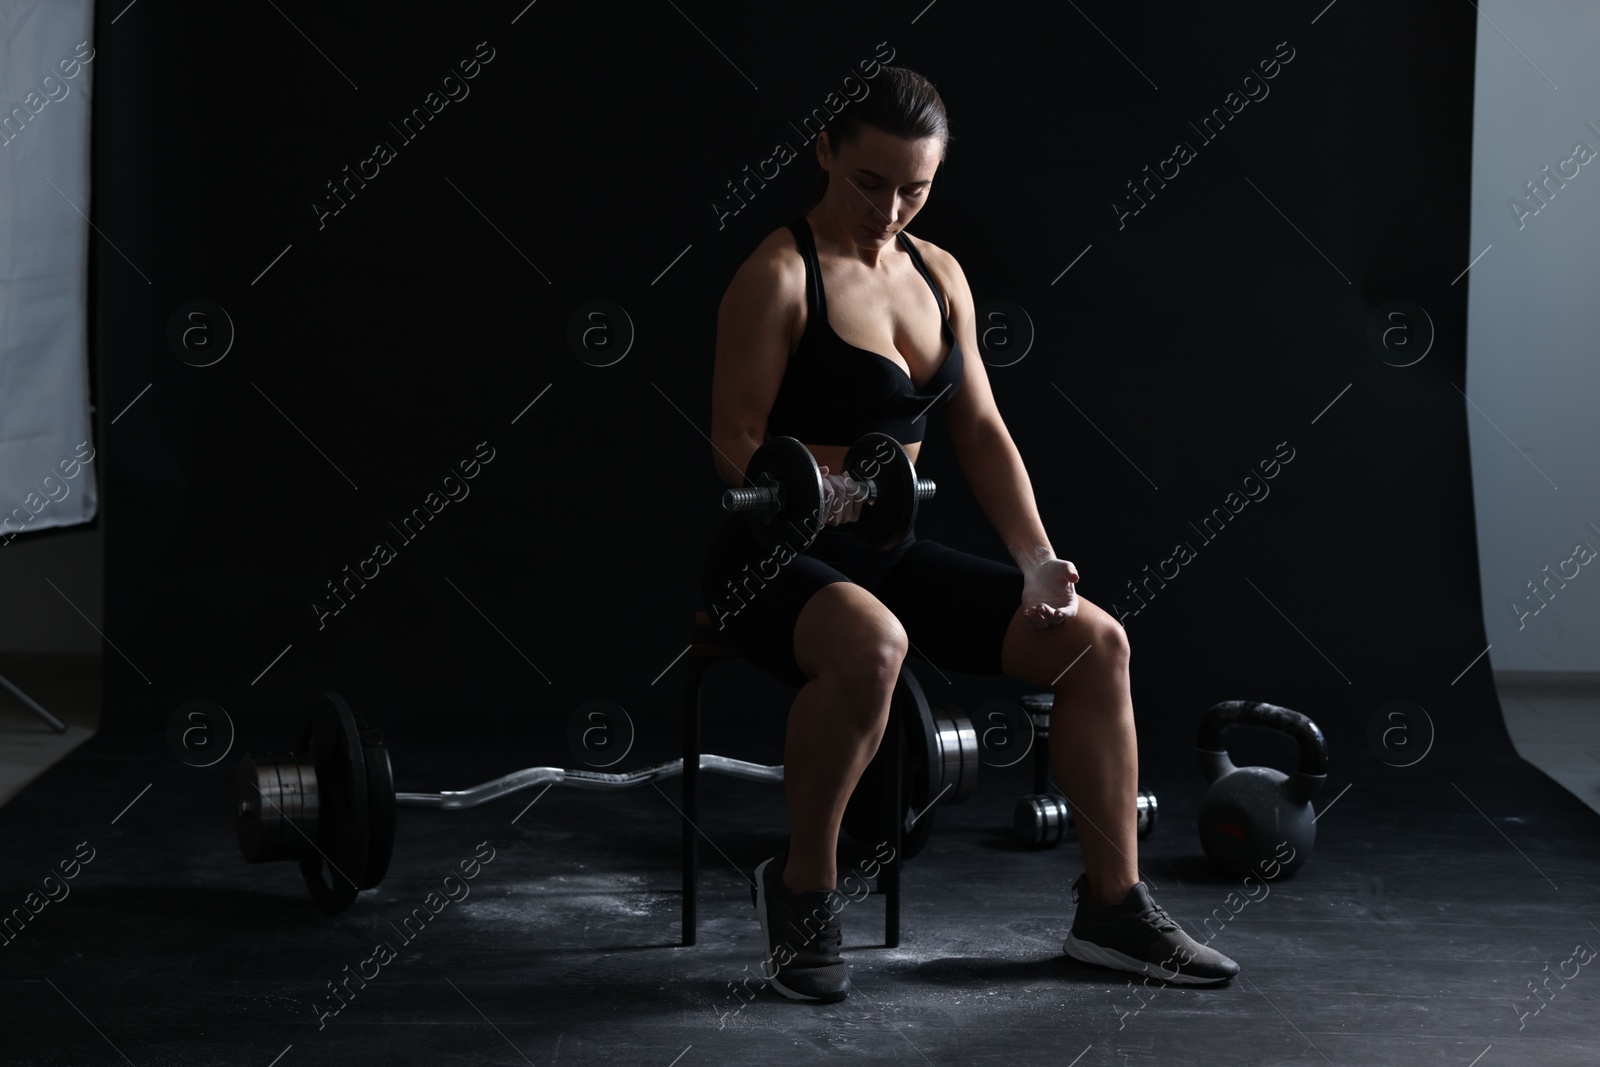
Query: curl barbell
[330, 805]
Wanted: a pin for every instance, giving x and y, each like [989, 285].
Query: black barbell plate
[884, 522]
[380, 804]
[333, 747]
[922, 764]
[787, 462]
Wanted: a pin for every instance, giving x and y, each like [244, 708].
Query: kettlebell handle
[1212, 749]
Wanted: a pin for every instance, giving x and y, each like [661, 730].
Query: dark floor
[1409, 938]
[1435, 896]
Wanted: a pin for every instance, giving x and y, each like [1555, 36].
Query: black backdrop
[376, 347]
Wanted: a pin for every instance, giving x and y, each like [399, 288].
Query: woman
[836, 325]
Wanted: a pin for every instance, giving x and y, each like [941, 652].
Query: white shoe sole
[766, 938]
[1088, 952]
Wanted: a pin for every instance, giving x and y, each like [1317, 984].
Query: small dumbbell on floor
[1042, 819]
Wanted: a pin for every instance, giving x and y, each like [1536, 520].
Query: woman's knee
[1092, 644]
[1104, 669]
[1110, 641]
[847, 634]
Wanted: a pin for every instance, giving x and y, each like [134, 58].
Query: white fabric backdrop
[47, 469]
[1533, 375]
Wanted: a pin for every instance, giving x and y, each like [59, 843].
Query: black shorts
[955, 607]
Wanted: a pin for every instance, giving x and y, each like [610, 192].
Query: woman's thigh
[754, 597]
[955, 606]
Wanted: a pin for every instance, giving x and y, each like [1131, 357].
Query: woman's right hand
[841, 498]
[1049, 596]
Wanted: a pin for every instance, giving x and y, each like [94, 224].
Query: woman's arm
[988, 457]
[990, 461]
[754, 323]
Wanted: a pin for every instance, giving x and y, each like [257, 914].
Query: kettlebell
[1258, 820]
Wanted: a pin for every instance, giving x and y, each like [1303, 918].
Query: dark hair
[901, 103]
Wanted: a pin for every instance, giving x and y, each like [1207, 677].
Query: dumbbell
[1042, 819]
[784, 505]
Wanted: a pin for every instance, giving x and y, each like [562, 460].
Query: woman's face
[878, 182]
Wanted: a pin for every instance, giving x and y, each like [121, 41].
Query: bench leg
[890, 877]
[691, 794]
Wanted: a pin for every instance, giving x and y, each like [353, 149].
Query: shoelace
[829, 939]
[1156, 916]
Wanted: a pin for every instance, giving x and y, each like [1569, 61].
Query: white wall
[50, 584]
[1533, 331]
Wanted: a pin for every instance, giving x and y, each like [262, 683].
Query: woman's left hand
[1048, 596]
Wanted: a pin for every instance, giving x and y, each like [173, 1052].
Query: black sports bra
[833, 392]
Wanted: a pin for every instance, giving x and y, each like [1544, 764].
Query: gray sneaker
[802, 935]
[1139, 936]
